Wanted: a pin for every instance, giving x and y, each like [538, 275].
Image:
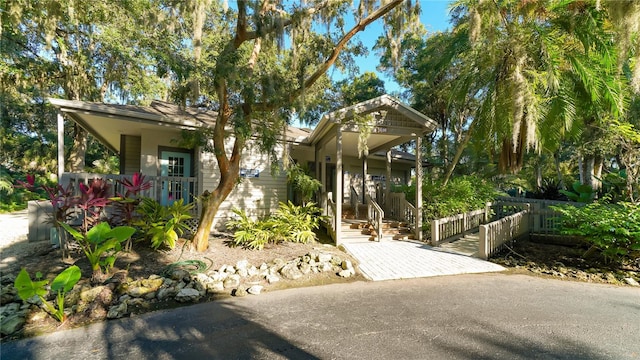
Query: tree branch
[360, 26]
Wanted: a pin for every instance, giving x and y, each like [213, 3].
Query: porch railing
[375, 214]
[399, 208]
[329, 210]
[169, 187]
[497, 233]
[354, 201]
[454, 227]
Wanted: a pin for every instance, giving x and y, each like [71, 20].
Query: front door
[175, 165]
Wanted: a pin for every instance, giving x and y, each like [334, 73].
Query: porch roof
[106, 122]
[394, 123]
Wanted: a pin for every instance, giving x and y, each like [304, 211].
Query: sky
[435, 17]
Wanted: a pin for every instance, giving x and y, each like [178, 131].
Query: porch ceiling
[375, 141]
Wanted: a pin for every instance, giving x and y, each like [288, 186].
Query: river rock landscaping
[145, 280]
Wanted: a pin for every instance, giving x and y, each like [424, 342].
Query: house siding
[257, 196]
[130, 154]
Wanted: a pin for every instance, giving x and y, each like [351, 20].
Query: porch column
[323, 177]
[365, 165]
[60, 146]
[419, 187]
[387, 181]
[339, 188]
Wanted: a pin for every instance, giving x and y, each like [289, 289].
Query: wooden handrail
[375, 215]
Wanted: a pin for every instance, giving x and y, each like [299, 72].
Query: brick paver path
[389, 260]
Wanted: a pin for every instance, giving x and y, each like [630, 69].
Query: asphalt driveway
[480, 316]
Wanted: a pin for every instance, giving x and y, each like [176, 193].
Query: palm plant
[530, 74]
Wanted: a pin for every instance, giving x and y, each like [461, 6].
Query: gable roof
[390, 106]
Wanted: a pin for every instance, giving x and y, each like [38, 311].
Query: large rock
[326, 267]
[165, 293]
[179, 275]
[631, 281]
[242, 264]
[255, 289]
[143, 287]
[215, 286]
[232, 281]
[188, 295]
[239, 292]
[7, 294]
[11, 324]
[117, 311]
[272, 278]
[323, 257]
[291, 271]
[305, 268]
[89, 294]
[9, 309]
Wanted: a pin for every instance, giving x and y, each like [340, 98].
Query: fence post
[482, 244]
[435, 232]
[487, 212]
[464, 224]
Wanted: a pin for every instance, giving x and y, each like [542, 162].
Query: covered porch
[144, 137]
[344, 160]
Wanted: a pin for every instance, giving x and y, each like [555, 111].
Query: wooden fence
[454, 227]
[502, 221]
[497, 233]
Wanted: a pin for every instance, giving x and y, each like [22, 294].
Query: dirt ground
[567, 262]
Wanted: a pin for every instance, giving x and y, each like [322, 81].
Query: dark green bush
[460, 195]
[613, 229]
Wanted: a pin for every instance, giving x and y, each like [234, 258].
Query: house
[145, 137]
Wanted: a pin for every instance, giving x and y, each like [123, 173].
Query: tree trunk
[598, 163]
[456, 158]
[556, 160]
[79, 150]
[586, 171]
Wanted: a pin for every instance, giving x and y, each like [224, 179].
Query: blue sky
[435, 17]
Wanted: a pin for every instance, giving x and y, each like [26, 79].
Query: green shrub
[613, 229]
[162, 225]
[461, 194]
[290, 223]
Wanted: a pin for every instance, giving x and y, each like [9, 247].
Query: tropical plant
[612, 229]
[101, 245]
[550, 190]
[249, 233]
[581, 193]
[125, 205]
[302, 182]
[63, 200]
[162, 225]
[297, 223]
[290, 223]
[60, 285]
[93, 199]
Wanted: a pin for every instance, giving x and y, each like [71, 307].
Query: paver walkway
[388, 260]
